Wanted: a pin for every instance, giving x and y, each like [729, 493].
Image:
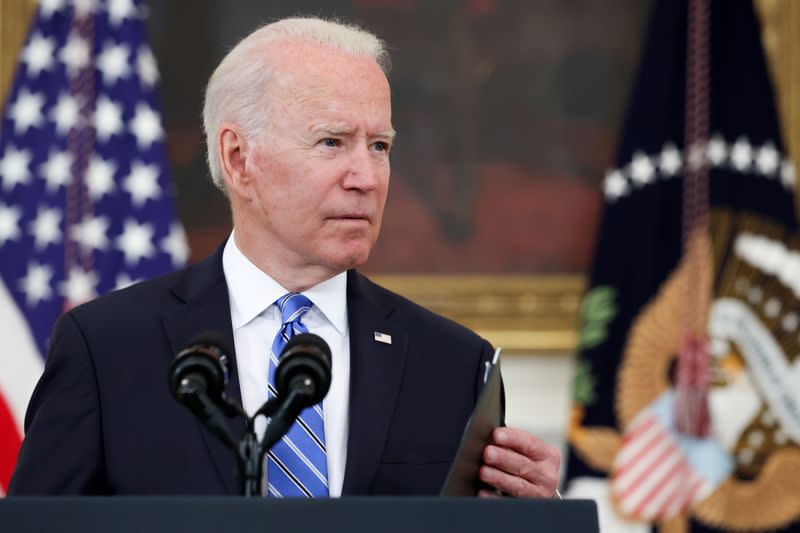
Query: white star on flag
[176, 245]
[48, 7]
[670, 160]
[146, 66]
[767, 159]
[100, 177]
[642, 169]
[26, 111]
[716, 150]
[79, 286]
[697, 155]
[9, 223]
[36, 283]
[142, 183]
[107, 118]
[615, 185]
[38, 54]
[741, 155]
[146, 126]
[75, 54]
[92, 233]
[113, 63]
[46, 227]
[14, 168]
[56, 170]
[65, 114]
[119, 10]
[136, 241]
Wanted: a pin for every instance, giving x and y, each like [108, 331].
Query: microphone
[302, 379]
[304, 368]
[198, 376]
[197, 379]
[201, 367]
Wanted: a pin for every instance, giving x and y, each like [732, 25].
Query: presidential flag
[687, 395]
[86, 205]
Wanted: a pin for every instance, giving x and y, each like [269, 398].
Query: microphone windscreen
[306, 357]
[310, 340]
[205, 358]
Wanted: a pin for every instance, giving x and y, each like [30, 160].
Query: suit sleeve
[62, 452]
[487, 354]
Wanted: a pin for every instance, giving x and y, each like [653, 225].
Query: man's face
[321, 171]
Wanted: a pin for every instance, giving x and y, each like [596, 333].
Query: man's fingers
[514, 463]
[519, 464]
[512, 485]
[524, 443]
[541, 473]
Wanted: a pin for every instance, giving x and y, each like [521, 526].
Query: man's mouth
[352, 216]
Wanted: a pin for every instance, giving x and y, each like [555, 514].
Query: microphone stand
[249, 451]
[282, 415]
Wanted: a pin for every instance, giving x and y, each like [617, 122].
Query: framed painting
[506, 113]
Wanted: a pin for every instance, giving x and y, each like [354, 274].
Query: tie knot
[293, 306]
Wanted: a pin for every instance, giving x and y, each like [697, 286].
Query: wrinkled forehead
[307, 66]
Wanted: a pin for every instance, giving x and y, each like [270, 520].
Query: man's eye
[381, 146]
[331, 142]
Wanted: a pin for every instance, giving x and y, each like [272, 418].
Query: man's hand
[518, 464]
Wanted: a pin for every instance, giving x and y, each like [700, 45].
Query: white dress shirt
[256, 320]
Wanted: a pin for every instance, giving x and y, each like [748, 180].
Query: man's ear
[233, 159]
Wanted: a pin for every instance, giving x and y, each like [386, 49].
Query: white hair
[238, 89]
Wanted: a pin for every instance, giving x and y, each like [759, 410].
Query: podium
[351, 515]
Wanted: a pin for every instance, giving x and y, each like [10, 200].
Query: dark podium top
[352, 515]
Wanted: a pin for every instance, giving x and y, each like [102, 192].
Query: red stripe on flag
[10, 442]
[647, 447]
[659, 485]
[670, 502]
[652, 465]
[640, 427]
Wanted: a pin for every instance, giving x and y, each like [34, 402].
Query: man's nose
[364, 170]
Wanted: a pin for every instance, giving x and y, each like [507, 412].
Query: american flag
[653, 478]
[85, 200]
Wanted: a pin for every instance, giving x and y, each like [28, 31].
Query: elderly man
[299, 131]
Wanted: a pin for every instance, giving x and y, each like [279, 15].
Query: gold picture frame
[534, 313]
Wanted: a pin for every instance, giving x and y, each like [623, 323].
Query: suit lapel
[376, 370]
[207, 309]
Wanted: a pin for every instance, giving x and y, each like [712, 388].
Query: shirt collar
[251, 291]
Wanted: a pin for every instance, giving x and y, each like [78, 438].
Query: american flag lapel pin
[383, 337]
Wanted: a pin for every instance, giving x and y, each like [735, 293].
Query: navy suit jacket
[102, 421]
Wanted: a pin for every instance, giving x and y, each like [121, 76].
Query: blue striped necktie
[296, 465]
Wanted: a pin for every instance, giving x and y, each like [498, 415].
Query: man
[299, 131]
